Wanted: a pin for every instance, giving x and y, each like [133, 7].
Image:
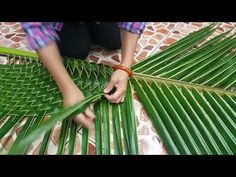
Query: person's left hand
[118, 80]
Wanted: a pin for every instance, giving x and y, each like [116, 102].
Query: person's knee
[76, 49]
[107, 35]
[79, 53]
[113, 45]
[74, 41]
[111, 41]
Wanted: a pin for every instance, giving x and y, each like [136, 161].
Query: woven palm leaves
[188, 91]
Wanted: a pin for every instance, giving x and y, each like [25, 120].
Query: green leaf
[98, 127]
[188, 90]
[147, 97]
[117, 129]
[45, 143]
[73, 131]
[131, 120]
[63, 136]
[85, 141]
[59, 116]
[105, 126]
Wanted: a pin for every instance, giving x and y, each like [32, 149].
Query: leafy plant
[188, 91]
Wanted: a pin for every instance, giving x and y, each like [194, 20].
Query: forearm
[128, 42]
[51, 58]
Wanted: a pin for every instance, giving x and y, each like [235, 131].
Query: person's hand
[119, 81]
[85, 118]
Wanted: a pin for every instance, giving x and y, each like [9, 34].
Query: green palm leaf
[59, 116]
[188, 90]
[186, 119]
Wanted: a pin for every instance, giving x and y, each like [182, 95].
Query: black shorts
[76, 38]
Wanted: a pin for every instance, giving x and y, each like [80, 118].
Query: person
[53, 40]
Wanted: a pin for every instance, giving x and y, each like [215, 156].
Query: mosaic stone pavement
[156, 37]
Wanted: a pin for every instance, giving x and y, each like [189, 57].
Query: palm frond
[185, 44]
[72, 138]
[85, 137]
[188, 120]
[211, 63]
[117, 129]
[188, 90]
[122, 114]
[48, 124]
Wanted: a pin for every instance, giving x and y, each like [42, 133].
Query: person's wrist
[123, 68]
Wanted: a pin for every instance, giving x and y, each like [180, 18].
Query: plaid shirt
[39, 34]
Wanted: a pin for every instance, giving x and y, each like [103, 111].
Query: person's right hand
[85, 118]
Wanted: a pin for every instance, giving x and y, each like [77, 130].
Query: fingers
[119, 81]
[84, 120]
[114, 98]
[122, 99]
[109, 86]
[117, 97]
[88, 112]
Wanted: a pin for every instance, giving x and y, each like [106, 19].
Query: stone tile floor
[156, 37]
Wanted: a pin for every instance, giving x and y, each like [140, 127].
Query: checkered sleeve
[39, 34]
[134, 27]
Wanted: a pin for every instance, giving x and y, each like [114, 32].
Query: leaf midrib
[178, 83]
